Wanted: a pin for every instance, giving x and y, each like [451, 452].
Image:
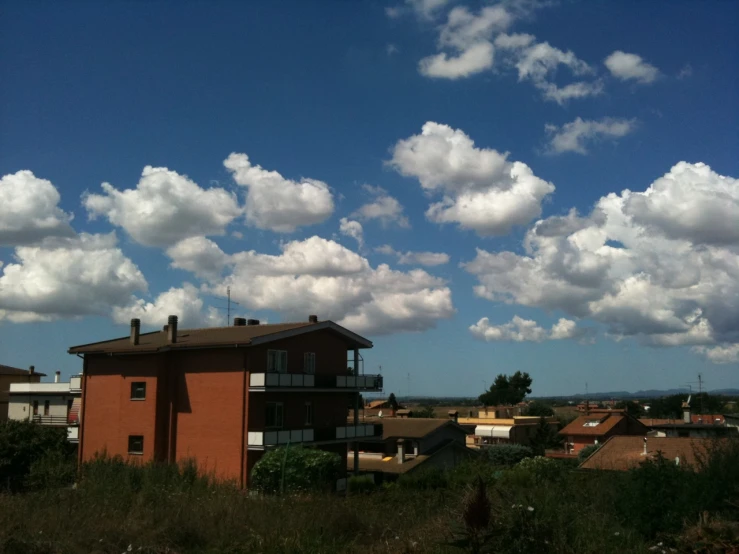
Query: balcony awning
[494, 431]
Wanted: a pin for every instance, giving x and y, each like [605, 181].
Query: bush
[294, 469]
[424, 479]
[507, 454]
[586, 452]
[360, 484]
[423, 412]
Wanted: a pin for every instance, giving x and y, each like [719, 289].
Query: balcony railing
[259, 381]
[55, 420]
[261, 439]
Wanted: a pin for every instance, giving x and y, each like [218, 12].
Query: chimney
[172, 329]
[135, 327]
[645, 446]
[252, 322]
[56, 376]
[686, 412]
[239, 322]
[32, 370]
[401, 451]
[313, 319]
[454, 415]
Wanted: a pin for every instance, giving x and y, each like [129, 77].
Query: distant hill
[650, 393]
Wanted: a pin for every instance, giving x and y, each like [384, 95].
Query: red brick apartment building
[223, 395]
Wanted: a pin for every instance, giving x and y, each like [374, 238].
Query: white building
[56, 404]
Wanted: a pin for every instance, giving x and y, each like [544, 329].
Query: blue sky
[457, 136]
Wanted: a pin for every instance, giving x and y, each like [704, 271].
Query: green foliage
[423, 412]
[474, 534]
[424, 479]
[360, 484]
[539, 409]
[632, 408]
[507, 390]
[586, 452]
[293, 469]
[393, 401]
[671, 406]
[545, 437]
[506, 454]
[27, 447]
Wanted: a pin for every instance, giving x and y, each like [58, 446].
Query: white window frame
[135, 452]
[309, 414]
[279, 415]
[309, 363]
[277, 361]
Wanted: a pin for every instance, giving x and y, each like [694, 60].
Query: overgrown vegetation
[296, 469]
[534, 505]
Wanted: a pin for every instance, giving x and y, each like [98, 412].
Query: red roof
[598, 424]
[621, 453]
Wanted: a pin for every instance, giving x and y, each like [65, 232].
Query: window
[274, 415]
[309, 362]
[135, 444]
[138, 390]
[35, 407]
[277, 361]
[309, 413]
[46, 407]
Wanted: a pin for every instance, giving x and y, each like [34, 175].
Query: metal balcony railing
[54, 420]
[277, 437]
[301, 380]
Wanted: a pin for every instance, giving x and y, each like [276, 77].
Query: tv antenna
[227, 307]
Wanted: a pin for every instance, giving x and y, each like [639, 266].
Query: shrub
[586, 452]
[293, 469]
[360, 484]
[423, 412]
[507, 454]
[424, 479]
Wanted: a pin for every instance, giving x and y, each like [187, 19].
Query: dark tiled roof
[7, 370]
[412, 427]
[199, 338]
[393, 466]
[623, 452]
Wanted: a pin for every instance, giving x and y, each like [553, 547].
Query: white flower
[530, 508]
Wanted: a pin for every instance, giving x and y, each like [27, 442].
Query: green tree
[631, 407]
[671, 406]
[507, 390]
[392, 401]
[423, 411]
[293, 469]
[585, 453]
[539, 409]
[544, 437]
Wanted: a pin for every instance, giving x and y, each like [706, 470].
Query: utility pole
[700, 390]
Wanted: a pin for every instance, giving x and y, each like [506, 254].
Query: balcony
[258, 440]
[300, 381]
[57, 421]
[75, 384]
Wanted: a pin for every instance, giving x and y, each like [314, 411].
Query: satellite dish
[379, 414]
[689, 397]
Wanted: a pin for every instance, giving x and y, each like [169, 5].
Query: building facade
[55, 404]
[223, 396]
[598, 426]
[10, 375]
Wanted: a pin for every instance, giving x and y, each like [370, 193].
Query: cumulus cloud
[644, 264]
[627, 67]
[523, 330]
[199, 255]
[321, 276]
[184, 302]
[164, 208]
[352, 229]
[575, 135]
[415, 258]
[727, 354]
[276, 203]
[474, 59]
[481, 189]
[383, 207]
[29, 210]
[427, 8]
[61, 277]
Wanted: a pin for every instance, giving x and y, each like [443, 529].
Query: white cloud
[727, 354]
[630, 67]
[384, 208]
[164, 208]
[523, 330]
[415, 258]
[482, 190]
[352, 229]
[685, 72]
[573, 136]
[276, 203]
[472, 60]
[391, 49]
[653, 265]
[321, 276]
[85, 275]
[184, 302]
[29, 210]
[198, 255]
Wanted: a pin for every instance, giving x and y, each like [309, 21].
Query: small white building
[56, 404]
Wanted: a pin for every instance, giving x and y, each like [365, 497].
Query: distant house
[502, 425]
[10, 375]
[408, 444]
[54, 404]
[692, 430]
[598, 426]
[621, 453]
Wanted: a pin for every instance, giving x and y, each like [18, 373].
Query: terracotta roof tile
[410, 427]
[625, 452]
[607, 421]
[8, 370]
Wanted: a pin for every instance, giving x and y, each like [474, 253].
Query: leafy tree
[671, 406]
[539, 409]
[507, 454]
[292, 469]
[585, 453]
[631, 407]
[544, 437]
[392, 401]
[507, 390]
[423, 411]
